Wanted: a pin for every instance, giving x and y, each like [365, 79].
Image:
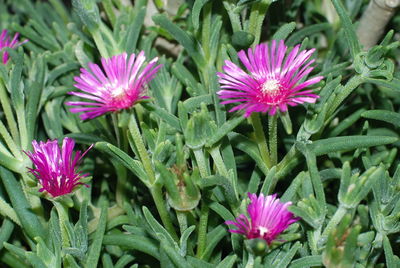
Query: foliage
[168, 172]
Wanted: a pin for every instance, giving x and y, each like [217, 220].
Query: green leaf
[197, 6]
[172, 253]
[133, 165]
[187, 41]
[283, 32]
[285, 259]
[29, 221]
[223, 212]
[347, 143]
[392, 261]
[95, 248]
[183, 241]
[6, 230]
[213, 238]
[228, 262]
[383, 115]
[223, 130]
[88, 12]
[134, 29]
[135, 242]
[349, 31]
[164, 115]
[298, 36]
[158, 228]
[244, 144]
[308, 261]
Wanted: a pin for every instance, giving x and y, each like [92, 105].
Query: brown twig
[374, 20]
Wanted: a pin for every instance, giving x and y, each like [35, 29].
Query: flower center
[118, 92]
[271, 87]
[263, 230]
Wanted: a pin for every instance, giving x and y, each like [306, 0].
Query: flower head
[6, 41]
[119, 87]
[54, 168]
[268, 218]
[273, 80]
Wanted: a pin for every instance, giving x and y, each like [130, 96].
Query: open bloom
[268, 218]
[6, 41]
[273, 80]
[56, 169]
[120, 87]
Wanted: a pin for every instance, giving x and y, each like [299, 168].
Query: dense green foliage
[167, 173]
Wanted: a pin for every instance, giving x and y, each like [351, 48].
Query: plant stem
[116, 129]
[155, 188]
[260, 139]
[62, 219]
[273, 141]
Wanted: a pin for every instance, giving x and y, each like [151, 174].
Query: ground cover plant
[232, 133]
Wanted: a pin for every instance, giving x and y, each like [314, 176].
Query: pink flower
[6, 42]
[268, 218]
[54, 168]
[120, 87]
[273, 81]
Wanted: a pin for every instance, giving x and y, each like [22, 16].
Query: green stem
[155, 188]
[116, 129]
[273, 141]
[260, 139]
[62, 212]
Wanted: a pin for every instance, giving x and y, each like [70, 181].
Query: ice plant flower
[120, 86]
[55, 169]
[6, 41]
[273, 81]
[268, 218]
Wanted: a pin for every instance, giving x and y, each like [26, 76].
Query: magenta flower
[5, 41]
[268, 218]
[274, 80]
[120, 87]
[54, 168]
